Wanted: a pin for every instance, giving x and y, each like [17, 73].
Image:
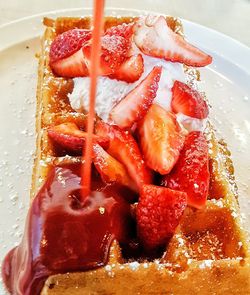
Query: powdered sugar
[206, 264]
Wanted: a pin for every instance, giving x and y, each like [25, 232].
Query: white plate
[226, 83]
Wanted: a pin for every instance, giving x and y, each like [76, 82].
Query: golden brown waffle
[208, 253]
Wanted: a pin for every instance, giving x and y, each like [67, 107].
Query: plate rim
[225, 49]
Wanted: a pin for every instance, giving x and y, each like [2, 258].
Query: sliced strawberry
[155, 38]
[66, 57]
[161, 139]
[131, 70]
[70, 67]
[191, 172]
[111, 170]
[70, 137]
[114, 50]
[124, 30]
[188, 101]
[124, 148]
[137, 102]
[158, 214]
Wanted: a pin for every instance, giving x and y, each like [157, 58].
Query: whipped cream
[191, 124]
[111, 91]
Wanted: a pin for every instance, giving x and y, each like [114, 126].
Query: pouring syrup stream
[95, 60]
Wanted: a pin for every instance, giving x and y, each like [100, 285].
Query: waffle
[208, 252]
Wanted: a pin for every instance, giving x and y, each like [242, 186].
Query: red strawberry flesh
[188, 101]
[114, 50]
[66, 56]
[124, 148]
[70, 52]
[111, 170]
[72, 66]
[130, 70]
[161, 139]
[158, 214]
[70, 137]
[124, 30]
[68, 43]
[156, 39]
[191, 172]
[137, 102]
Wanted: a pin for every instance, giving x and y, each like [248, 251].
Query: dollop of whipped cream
[111, 91]
[191, 124]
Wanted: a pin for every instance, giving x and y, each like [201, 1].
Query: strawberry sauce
[94, 62]
[63, 235]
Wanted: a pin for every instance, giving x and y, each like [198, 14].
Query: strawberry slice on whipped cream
[129, 53]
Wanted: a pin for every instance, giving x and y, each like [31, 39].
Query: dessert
[150, 146]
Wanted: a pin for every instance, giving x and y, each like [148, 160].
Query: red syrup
[94, 69]
[63, 235]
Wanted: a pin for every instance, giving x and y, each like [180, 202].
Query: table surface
[231, 17]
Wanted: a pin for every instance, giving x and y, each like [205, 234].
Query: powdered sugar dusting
[134, 265]
[205, 264]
